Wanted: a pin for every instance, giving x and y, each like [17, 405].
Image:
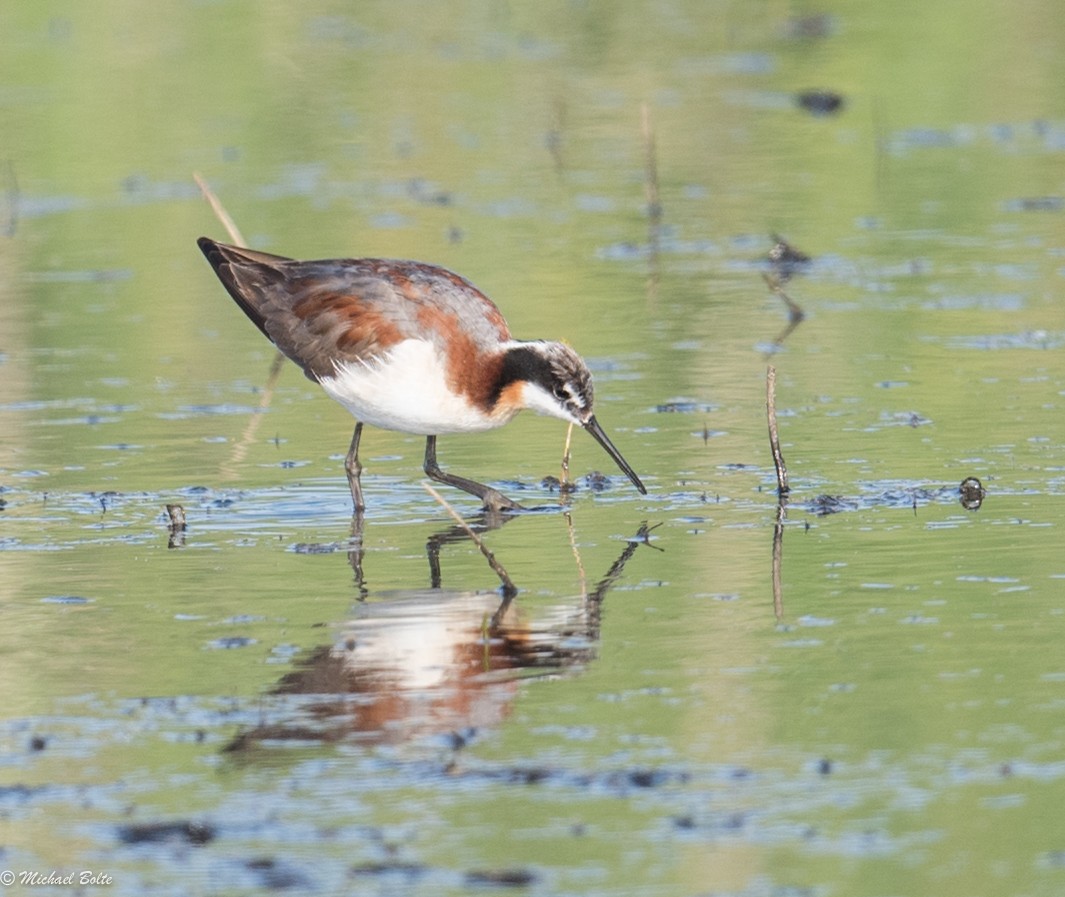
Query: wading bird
[410, 347]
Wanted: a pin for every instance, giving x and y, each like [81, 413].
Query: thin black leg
[354, 469]
[492, 499]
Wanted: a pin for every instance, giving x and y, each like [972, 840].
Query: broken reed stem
[509, 589]
[219, 210]
[563, 486]
[774, 436]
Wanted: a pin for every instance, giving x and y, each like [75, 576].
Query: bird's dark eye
[561, 393]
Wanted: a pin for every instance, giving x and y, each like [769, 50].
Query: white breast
[406, 390]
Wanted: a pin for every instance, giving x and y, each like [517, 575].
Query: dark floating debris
[1036, 204]
[274, 875]
[554, 484]
[188, 832]
[232, 642]
[820, 102]
[318, 547]
[809, 27]
[682, 406]
[391, 868]
[596, 481]
[824, 505]
[972, 493]
[423, 192]
[501, 878]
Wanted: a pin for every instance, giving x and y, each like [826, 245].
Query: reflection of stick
[12, 195]
[774, 436]
[795, 312]
[240, 449]
[509, 589]
[778, 561]
[654, 203]
[581, 576]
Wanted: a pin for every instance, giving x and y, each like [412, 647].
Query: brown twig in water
[774, 436]
[566, 485]
[509, 589]
[782, 491]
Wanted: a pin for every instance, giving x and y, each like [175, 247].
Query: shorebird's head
[556, 381]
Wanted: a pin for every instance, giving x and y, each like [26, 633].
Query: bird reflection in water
[414, 664]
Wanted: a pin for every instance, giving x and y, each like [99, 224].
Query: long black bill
[592, 426]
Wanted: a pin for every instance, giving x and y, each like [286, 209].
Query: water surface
[256, 704]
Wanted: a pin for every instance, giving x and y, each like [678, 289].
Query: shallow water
[271, 701]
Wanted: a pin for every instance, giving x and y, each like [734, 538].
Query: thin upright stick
[782, 490]
[509, 589]
[774, 436]
[219, 210]
[565, 485]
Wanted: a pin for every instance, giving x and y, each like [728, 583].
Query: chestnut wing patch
[321, 313]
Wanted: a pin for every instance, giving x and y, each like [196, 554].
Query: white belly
[406, 390]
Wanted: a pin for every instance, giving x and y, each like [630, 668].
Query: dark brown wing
[321, 312]
[246, 274]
